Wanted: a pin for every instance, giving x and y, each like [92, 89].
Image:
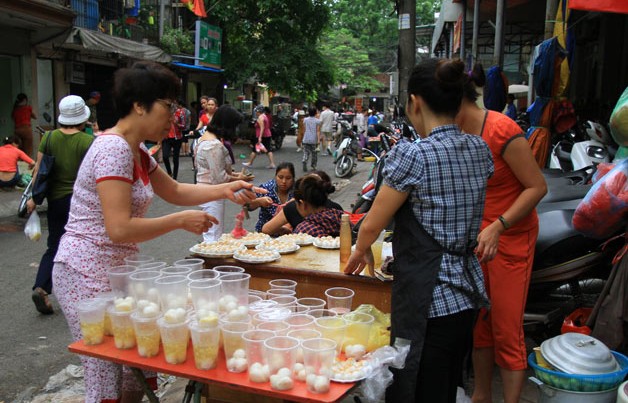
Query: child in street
[10, 154]
[310, 138]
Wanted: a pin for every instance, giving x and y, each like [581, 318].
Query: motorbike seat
[556, 193]
[554, 226]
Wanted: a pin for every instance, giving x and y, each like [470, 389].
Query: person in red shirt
[505, 245]
[22, 115]
[10, 154]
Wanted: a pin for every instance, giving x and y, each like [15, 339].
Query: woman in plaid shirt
[435, 190]
[310, 195]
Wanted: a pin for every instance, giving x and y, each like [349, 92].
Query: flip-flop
[40, 298]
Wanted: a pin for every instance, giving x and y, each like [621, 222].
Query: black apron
[417, 262]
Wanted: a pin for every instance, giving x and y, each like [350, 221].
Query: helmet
[597, 132]
[258, 109]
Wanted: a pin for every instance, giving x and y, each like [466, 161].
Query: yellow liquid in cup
[148, 344]
[205, 356]
[93, 332]
[176, 352]
[124, 337]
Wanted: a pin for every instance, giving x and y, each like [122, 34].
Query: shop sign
[75, 72]
[208, 45]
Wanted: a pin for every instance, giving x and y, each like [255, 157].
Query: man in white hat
[68, 144]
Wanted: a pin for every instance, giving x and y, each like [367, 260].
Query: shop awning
[85, 39]
[195, 67]
[606, 6]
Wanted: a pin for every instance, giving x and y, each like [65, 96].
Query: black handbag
[40, 187]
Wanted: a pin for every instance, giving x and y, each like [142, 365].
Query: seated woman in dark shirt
[310, 195]
[289, 217]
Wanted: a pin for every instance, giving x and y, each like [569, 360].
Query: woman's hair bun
[450, 72]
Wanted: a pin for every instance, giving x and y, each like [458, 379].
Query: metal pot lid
[576, 353]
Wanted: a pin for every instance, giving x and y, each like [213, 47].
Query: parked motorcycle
[277, 136]
[585, 145]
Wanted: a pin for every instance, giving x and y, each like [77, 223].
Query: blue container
[581, 383]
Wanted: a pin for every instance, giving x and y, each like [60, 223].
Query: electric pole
[407, 47]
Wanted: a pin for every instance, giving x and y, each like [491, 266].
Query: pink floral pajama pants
[104, 380]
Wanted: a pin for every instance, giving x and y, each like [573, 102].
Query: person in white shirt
[327, 120]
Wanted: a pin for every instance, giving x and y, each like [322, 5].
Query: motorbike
[27, 193]
[277, 136]
[588, 143]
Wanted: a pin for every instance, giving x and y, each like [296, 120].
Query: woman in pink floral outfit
[112, 192]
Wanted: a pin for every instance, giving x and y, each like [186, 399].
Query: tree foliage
[275, 41]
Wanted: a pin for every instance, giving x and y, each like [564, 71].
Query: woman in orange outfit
[22, 114]
[505, 246]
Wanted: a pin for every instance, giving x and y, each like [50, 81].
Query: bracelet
[505, 223]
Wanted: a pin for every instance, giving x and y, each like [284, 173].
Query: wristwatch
[505, 223]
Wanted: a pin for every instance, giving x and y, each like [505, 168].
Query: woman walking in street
[112, 194]
[68, 144]
[435, 190]
[505, 245]
[262, 138]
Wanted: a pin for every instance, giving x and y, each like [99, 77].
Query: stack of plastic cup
[300, 321]
[283, 283]
[175, 271]
[142, 285]
[303, 334]
[202, 274]
[278, 328]
[286, 301]
[107, 298]
[205, 339]
[153, 266]
[205, 296]
[138, 259]
[275, 314]
[173, 292]
[122, 328]
[233, 345]
[146, 333]
[253, 299]
[254, 348]
[192, 263]
[339, 299]
[332, 327]
[320, 313]
[119, 278]
[259, 306]
[307, 304]
[260, 294]
[234, 293]
[91, 314]
[280, 292]
[280, 353]
[222, 270]
[318, 356]
[174, 339]
[357, 333]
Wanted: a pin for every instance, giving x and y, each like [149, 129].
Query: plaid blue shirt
[445, 175]
[266, 213]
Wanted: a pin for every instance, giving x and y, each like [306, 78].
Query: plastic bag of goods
[380, 335]
[619, 120]
[603, 210]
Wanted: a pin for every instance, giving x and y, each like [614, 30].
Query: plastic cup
[318, 357]
[260, 294]
[260, 306]
[122, 328]
[205, 295]
[91, 314]
[176, 270]
[300, 321]
[202, 274]
[205, 345]
[107, 298]
[138, 259]
[358, 329]
[235, 285]
[289, 302]
[303, 334]
[174, 338]
[275, 314]
[192, 263]
[253, 299]
[173, 291]
[119, 278]
[332, 327]
[156, 266]
[280, 292]
[146, 334]
[254, 347]
[339, 299]
[321, 313]
[307, 304]
[222, 270]
[280, 353]
[233, 345]
[142, 285]
[278, 328]
[283, 283]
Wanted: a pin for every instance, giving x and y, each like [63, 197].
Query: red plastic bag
[603, 210]
[259, 148]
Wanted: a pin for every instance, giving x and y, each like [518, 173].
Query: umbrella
[517, 89]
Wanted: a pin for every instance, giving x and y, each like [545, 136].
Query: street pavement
[33, 348]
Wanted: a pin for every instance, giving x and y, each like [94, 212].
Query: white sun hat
[73, 111]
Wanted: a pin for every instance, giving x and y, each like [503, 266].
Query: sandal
[42, 304]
